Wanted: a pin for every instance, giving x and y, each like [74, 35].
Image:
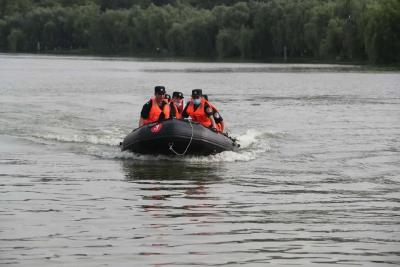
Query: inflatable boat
[177, 137]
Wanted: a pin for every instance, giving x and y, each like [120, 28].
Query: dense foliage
[353, 30]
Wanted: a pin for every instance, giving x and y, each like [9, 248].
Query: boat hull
[177, 137]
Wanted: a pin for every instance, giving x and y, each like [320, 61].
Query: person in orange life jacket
[217, 116]
[176, 105]
[156, 109]
[199, 110]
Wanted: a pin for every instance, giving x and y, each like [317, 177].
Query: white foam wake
[249, 138]
[252, 144]
[101, 139]
[227, 156]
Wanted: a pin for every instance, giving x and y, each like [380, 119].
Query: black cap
[197, 92]
[167, 96]
[159, 90]
[205, 97]
[177, 94]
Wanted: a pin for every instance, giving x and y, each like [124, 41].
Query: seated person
[156, 109]
[199, 110]
[176, 105]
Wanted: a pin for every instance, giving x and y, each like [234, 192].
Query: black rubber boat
[177, 137]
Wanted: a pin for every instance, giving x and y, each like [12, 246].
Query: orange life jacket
[199, 115]
[155, 112]
[178, 114]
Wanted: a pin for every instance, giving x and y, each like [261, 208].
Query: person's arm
[163, 110]
[144, 114]
[214, 125]
[222, 123]
[217, 116]
[172, 114]
[219, 120]
[184, 113]
[208, 110]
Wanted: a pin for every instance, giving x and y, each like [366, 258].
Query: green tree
[263, 36]
[10, 7]
[50, 35]
[200, 34]
[16, 40]
[108, 32]
[332, 45]
[236, 16]
[382, 39]
[83, 20]
[315, 28]
[3, 34]
[158, 25]
[246, 41]
[227, 41]
[176, 39]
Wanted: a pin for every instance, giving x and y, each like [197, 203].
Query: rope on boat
[190, 141]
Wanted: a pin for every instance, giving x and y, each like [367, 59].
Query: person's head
[167, 97]
[205, 97]
[159, 92]
[196, 96]
[177, 97]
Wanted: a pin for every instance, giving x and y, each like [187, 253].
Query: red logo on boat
[156, 128]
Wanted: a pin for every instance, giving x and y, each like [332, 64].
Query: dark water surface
[316, 183]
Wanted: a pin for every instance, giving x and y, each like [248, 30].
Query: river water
[316, 182]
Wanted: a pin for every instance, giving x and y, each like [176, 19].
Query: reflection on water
[165, 179]
[169, 170]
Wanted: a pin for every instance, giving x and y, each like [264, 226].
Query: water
[316, 182]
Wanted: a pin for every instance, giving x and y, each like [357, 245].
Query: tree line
[338, 30]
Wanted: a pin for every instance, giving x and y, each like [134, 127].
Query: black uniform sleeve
[162, 115]
[172, 110]
[208, 110]
[217, 117]
[146, 110]
[184, 113]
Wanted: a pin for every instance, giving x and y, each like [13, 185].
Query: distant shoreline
[167, 58]
[329, 32]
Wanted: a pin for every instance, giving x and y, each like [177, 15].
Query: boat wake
[252, 144]
[104, 137]
[105, 145]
